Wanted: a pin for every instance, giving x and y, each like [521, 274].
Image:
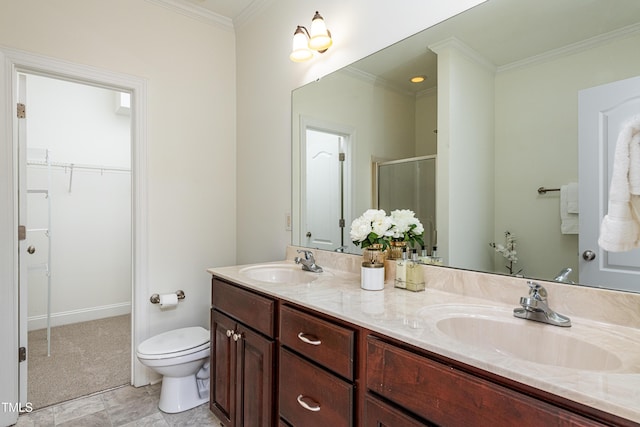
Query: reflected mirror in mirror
[512, 95]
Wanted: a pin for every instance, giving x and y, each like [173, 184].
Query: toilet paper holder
[155, 298]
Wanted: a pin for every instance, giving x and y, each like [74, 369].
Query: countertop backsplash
[597, 304]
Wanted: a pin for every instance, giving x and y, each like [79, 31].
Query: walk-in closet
[78, 182]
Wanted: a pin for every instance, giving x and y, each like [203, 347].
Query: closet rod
[77, 166]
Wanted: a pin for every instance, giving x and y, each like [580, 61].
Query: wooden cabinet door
[254, 379]
[221, 399]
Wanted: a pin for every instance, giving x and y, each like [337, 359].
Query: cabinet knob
[309, 339]
[315, 407]
[237, 336]
[230, 332]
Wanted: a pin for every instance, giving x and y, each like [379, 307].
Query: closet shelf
[77, 166]
[38, 191]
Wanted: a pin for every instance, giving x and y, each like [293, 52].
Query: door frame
[11, 62]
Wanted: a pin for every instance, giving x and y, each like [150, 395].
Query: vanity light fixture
[306, 42]
[417, 79]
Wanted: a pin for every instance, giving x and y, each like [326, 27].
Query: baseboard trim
[80, 315]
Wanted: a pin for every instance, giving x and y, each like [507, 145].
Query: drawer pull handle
[306, 406]
[313, 341]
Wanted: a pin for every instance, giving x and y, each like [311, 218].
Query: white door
[602, 111]
[324, 191]
[22, 244]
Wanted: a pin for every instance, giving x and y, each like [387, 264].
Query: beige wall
[427, 123]
[190, 71]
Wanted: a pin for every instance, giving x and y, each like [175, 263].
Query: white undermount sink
[279, 273]
[495, 331]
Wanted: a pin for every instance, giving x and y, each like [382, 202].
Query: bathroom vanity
[293, 348]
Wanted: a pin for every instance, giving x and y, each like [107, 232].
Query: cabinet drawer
[378, 414]
[252, 309]
[449, 397]
[328, 344]
[310, 396]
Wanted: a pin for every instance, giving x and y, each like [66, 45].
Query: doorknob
[588, 255]
[31, 249]
[308, 234]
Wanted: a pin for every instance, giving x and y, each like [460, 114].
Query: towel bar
[543, 190]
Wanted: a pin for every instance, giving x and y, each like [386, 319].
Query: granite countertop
[413, 318]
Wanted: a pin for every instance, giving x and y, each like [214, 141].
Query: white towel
[572, 198]
[620, 229]
[569, 223]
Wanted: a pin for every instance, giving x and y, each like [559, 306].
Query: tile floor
[124, 406]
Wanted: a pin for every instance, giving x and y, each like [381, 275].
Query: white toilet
[177, 355]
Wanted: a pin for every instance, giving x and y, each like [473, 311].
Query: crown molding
[376, 80]
[254, 8]
[455, 43]
[628, 31]
[196, 12]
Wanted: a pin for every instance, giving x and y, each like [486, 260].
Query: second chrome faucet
[535, 307]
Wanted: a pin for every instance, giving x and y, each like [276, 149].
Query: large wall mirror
[500, 109]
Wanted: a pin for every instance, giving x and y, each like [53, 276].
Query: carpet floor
[86, 357]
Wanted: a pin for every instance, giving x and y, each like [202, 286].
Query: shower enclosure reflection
[410, 184]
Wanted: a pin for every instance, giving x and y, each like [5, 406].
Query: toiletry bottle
[415, 277]
[401, 270]
[435, 259]
[423, 258]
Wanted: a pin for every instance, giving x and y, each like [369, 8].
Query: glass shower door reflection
[410, 184]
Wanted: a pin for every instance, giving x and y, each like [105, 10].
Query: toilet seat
[175, 343]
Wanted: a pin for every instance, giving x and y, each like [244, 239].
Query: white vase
[372, 276]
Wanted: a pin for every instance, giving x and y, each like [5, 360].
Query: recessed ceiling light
[417, 79]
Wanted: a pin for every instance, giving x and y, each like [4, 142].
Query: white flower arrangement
[508, 251]
[406, 227]
[373, 227]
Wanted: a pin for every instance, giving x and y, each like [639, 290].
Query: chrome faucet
[563, 276]
[535, 307]
[308, 262]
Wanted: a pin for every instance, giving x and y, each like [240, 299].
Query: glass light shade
[300, 51]
[319, 37]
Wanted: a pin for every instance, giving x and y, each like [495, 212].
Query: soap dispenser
[415, 276]
[401, 271]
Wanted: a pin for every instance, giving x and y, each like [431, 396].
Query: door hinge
[341, 223]
[22, 232]
[341, 157]
[22, 111]
[22, 354]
